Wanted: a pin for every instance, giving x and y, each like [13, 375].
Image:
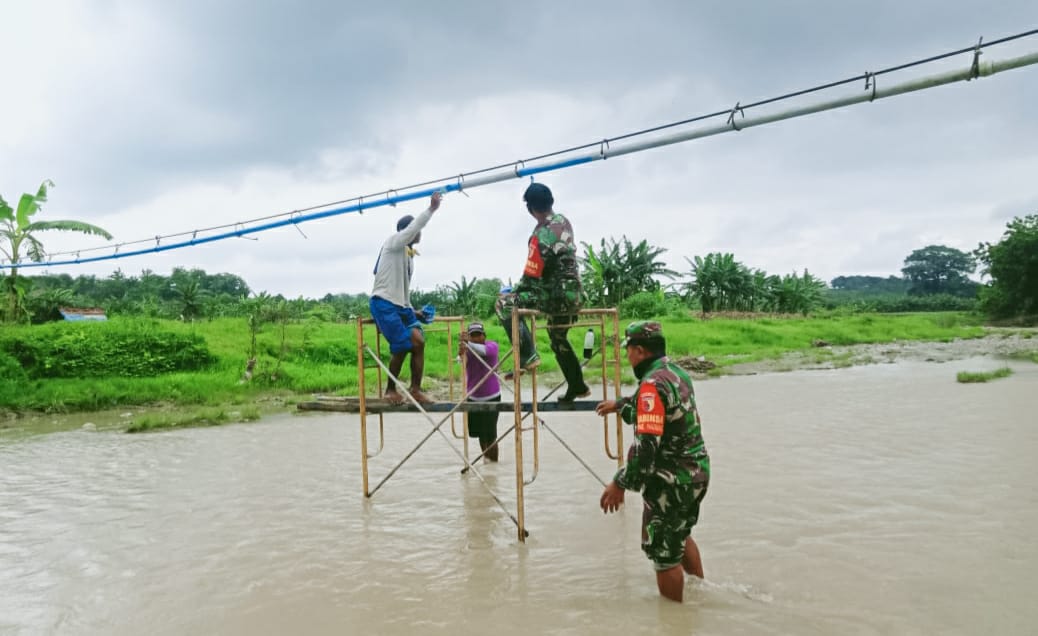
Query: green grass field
[319, 357]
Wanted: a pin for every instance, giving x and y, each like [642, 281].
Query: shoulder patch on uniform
[534, 260]
[650, 414]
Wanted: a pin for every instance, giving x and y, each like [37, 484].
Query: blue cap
[506, 290]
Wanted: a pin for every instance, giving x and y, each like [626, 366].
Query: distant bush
[10, 369]
[340, 353]
[897, 303]
[645, 305]
[100, 349]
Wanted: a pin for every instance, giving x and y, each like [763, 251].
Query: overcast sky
[154, 118]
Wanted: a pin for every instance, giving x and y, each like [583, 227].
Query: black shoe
[572, 394]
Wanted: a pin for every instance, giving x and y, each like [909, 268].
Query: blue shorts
[395, 323]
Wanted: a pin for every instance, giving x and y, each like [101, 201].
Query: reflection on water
[883, 499]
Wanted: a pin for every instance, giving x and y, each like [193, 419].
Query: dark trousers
[558, 330]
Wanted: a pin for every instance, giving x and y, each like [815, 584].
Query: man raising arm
[391, 302]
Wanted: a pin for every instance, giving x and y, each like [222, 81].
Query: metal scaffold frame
[605, 321]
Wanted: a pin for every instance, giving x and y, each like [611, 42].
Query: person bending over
[481, 381]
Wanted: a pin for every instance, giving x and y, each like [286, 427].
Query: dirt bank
[998, 343]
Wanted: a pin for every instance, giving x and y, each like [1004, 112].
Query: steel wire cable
[456, 182]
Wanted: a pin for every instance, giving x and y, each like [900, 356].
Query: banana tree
[799, 294]
[18, 231]
[463, 295]
[720, 282]
[619, 269]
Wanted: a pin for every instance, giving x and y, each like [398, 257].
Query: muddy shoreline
[998, 344]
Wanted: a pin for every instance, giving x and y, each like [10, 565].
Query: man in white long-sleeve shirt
[391, 302]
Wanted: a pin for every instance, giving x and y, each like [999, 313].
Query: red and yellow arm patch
[534, 260]
[650, 413]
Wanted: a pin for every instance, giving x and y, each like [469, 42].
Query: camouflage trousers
[558, 332]
[669, 512]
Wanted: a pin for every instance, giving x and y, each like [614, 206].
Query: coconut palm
[190, 299]
[18, 231]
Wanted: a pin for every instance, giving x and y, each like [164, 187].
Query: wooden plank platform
[374, 405]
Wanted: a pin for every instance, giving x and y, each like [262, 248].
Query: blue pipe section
[360, 206]
[603, 153]
[357, 207]
[524, 172]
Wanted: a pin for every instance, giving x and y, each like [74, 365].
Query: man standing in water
[481, 380]
[391, 302]
[550, 284]
[667, 462]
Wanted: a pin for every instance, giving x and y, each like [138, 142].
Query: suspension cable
[604, 148]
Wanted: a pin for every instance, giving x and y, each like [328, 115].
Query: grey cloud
[227, 87]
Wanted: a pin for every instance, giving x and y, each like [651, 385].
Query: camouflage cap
[640, 331]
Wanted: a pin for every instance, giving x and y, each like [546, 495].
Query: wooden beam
[373, 405]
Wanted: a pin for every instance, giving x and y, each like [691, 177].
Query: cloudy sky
[155, 118]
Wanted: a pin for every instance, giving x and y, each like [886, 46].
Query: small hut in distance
[82, 313]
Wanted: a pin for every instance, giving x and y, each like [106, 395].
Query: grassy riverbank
[320, 357]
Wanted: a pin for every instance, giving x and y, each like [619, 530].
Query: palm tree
[18, 230]
[190, 299]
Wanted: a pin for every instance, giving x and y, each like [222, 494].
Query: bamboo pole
[363, 409]
[617, 389]
[517, 398]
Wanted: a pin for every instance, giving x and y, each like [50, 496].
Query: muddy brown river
[881, 499]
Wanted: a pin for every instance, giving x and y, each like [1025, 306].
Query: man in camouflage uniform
[667, 462]
[550, 284]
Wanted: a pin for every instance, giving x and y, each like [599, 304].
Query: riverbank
[998, 344]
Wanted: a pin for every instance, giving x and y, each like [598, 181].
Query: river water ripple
[872, 500]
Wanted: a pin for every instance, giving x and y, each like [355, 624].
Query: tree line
[623, 274]
[616, 273]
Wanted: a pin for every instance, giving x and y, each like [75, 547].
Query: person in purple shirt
[481, 358]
